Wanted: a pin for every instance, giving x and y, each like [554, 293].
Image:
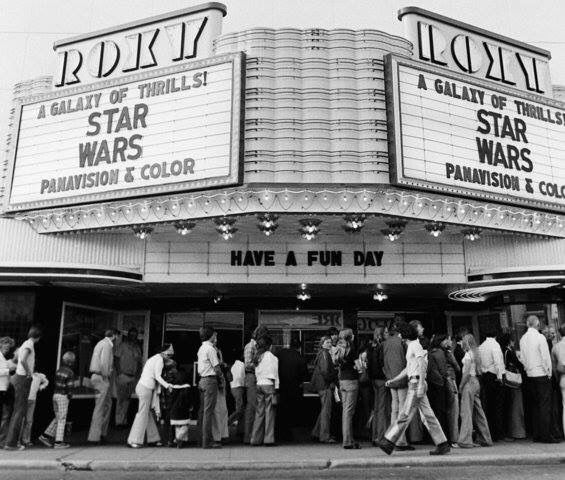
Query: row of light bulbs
[304, 294]
[309, 228]
[401, 204]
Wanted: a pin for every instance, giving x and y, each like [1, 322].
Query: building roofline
[138, 23]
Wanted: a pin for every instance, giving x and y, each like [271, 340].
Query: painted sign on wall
[155, 42]
[461, 136]
[169, 130]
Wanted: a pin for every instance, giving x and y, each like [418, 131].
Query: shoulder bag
[512, 379]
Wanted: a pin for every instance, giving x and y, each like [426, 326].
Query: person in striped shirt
[54, 435]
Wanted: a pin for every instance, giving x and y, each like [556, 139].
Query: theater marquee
[461, 136]
[169, 130]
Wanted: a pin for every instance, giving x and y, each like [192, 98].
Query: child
[39, 383]
[64, 382]
[180, 408]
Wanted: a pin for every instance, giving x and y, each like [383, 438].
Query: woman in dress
[324, 380]
[147, 387]
[513, 402]
[471, 408]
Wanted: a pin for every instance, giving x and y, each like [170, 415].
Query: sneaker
[60, 445]
[387, 446]
[46, 441]
[442, 449]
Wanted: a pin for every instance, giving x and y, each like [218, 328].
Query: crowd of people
[396, 387]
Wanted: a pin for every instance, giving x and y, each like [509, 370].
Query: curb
[375, 462]
[453, 460]
[104, 465]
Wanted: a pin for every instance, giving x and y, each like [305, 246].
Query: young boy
[39, 383]
[54, 435]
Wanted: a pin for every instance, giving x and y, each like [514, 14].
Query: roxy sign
[155, 42]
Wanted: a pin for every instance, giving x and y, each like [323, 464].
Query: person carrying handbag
[323, 381]
[515, 425]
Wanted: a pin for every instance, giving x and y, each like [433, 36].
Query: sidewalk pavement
[283, 457]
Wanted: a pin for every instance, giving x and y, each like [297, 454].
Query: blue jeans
[208, 387]
[349, 391]
[22, 384]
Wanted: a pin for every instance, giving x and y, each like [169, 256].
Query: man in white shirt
[209, 372]
[416, 399]
[22, 385]
[558, 360]
[101, 367]
[237, 388]
[537, 362]
[492, 368]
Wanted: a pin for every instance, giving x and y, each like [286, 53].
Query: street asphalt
[478, 472]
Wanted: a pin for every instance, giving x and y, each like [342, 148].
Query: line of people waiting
[466, 395]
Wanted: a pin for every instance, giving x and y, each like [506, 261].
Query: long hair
[469, 344]
[379, 333]
[263, 344]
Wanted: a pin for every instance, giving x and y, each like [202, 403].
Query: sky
[28, 28]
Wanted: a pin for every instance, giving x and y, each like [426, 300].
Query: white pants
[398, 398]
[144, 421]
[102, 408]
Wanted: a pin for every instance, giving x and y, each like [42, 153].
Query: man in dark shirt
[293, 371]
[381, 395]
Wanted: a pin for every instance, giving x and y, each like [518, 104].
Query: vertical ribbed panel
[315, 104]
[21, 89]
[20, 244]
[496, 252]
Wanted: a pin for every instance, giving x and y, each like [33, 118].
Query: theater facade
[169, 176]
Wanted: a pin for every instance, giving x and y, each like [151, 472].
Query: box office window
[367, 321]
[181, 329]
[83, 326]
[306, 327]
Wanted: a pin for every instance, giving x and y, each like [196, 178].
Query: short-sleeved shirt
[207, 360]
[29, 345]
[416, 359]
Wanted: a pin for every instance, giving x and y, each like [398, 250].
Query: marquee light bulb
[380, 296]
